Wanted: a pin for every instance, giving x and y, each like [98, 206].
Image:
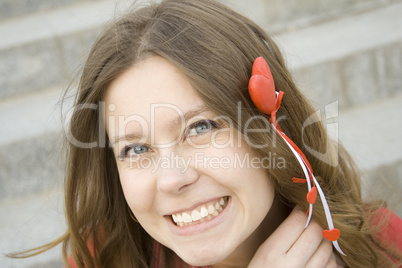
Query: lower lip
[200, 227]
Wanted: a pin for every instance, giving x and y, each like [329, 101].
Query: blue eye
[133, 150]
[139, 149]
[201, 127]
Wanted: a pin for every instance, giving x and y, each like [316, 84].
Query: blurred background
[346, 55]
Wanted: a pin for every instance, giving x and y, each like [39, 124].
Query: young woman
[171, 162]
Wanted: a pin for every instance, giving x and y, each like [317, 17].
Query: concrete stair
[345, 54]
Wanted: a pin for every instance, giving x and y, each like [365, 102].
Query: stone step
[30, 115]
[13, 9]
[355, 60]
[30, 222]
[371, 134]
[30, 144]
[31, 165]
[364, 77]
[288, 15]
[45, 50]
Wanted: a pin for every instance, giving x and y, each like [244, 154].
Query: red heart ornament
[260, 66]
[312, 195]
[331, 235]
[260, 93]
[262, 87]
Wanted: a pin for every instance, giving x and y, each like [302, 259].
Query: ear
[261, 87]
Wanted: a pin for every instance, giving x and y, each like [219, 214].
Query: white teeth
[195, 215]
[186, 217]
[218, 206]
[183, 219]
[219, 209]
[211, 209]
[204, 212]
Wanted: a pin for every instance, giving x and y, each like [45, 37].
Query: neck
[242, 256]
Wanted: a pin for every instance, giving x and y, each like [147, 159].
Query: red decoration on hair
[312, 195]
[262, 87]
[262, 92]
[331, 235]
[298, 180]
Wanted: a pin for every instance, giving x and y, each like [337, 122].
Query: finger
[323, 256]
[287, 233]
[307, 244]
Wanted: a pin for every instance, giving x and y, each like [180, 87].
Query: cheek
[254, 187]
[138, 190]
[242, 173]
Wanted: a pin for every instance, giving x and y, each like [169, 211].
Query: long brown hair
[214, 47]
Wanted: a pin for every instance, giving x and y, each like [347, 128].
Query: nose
[176, 175]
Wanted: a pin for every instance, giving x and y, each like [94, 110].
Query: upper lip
[197, 204]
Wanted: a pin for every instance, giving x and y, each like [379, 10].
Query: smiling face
[185, 172]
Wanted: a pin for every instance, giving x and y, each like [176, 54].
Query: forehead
[152, 93]
[152, 82]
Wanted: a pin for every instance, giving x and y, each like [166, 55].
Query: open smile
[200, 218]
[200, 214]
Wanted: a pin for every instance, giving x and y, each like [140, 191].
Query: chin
[208, 255]
[201, 261]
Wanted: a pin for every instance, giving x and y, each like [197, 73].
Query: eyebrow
[131, 136]
[171, 125]
[187, 115]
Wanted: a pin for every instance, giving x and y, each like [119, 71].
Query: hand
[290, 245]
